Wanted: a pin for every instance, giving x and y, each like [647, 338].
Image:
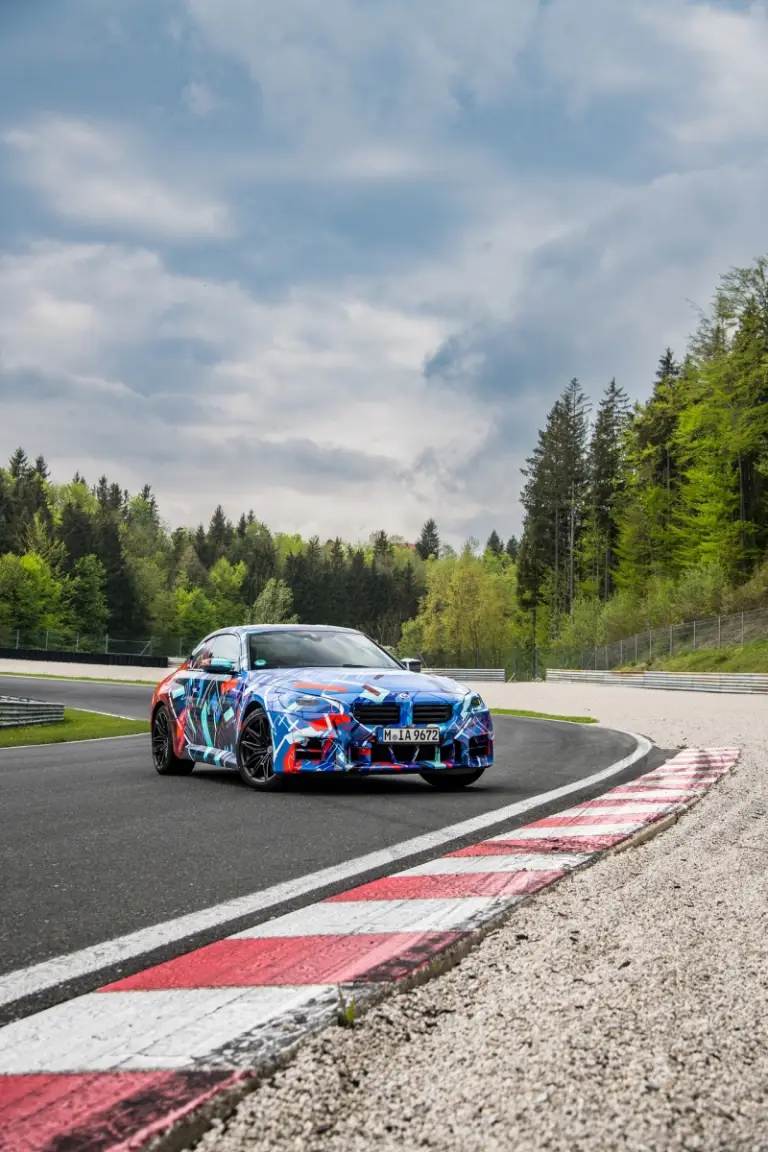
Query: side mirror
[223, 666]
[411, 664]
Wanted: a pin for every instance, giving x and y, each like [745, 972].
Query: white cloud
[200, 99]
[97, 176]
[337, 373]
[351, 67]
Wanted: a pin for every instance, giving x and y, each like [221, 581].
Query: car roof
[252, 629]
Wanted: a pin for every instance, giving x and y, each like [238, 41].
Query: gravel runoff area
[627, 1008]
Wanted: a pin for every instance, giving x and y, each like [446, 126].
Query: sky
[335, 261]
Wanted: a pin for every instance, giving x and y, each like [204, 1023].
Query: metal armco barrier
[672, 681]
[17, 713]
[468, 673]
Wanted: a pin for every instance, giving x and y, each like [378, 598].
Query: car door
[195, 681]
[218, 673]
[231, 679]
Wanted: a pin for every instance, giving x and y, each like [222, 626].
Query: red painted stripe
[296, 960]
[118, 1111]
[563, 843]
[450, 885]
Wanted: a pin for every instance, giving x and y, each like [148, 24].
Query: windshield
[308, 649]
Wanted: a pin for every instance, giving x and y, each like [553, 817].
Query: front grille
[311, 749]
[432, 713]
[373, 714]
[402, 753]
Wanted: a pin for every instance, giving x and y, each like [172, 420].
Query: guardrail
[468, 673]
[19, 712]
[751, 682]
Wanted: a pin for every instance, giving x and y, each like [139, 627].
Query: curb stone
[207, 1014]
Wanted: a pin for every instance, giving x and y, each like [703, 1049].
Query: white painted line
[356, 917]
[50, 973]
[630, 807]
[116, 1031]
[69, 743]
[567, 831]
[519, 862]
[670, 794]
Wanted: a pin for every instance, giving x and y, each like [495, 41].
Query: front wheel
[451, 781]
[255, 755]
[166, 762]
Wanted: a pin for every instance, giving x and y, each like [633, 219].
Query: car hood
[375, 684]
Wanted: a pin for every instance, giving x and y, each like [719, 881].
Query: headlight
[477, 704]
[291, 702]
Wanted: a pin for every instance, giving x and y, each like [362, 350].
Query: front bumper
[314, 746]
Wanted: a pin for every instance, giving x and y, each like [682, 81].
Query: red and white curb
[113, 1068]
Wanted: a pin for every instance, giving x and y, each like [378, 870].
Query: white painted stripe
[630, 807]
[50, 973]
[519, 862]
[353, 917]
[672, 795]
[146, 1030]
[557, 832]
[66, 743]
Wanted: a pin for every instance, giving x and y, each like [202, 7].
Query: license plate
[410, 736]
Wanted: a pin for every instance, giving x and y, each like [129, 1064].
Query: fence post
[46, 639]
[635, 647]
[671, 639]
[718, 631]
[77, 643]
[622, 653]
[106, 644]
[17, 639]
[650, 644]
[606, 657]
[742, 629]
[694, 635]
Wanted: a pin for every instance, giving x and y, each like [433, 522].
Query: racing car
[273, 700]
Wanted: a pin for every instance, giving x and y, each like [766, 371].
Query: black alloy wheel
[255, 754]
[450, 780]
[166, 762]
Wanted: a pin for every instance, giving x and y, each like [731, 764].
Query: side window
[201, 653]
[226, 647]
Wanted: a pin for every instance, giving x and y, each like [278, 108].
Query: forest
[634, 516]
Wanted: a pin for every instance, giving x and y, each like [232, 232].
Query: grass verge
[543, 716]
[753, 657]
[76, 725]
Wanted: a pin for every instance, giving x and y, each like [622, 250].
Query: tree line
[656, 513]
[80, 562]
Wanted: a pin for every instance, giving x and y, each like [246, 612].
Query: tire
[451, 780]
[255, 754]
[166, 762]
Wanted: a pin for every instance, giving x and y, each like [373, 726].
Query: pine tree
[429, 542]
[494, 544]
[606, 486]
[512, 548]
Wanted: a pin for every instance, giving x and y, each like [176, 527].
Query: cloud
[199, 98]
[99, 177]
[310, 395]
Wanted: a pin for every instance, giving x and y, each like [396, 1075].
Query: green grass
[543, 716]
[752, 657]
[76, 725]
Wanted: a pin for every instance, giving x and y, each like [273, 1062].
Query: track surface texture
[94, 844]
[132, 700]
[625, 1009]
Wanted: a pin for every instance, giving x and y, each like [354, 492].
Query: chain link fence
[662, 643]
[57, 640]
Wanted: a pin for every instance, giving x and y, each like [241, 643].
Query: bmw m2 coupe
[273, 700]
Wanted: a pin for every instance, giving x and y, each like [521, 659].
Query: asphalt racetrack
[95, 844]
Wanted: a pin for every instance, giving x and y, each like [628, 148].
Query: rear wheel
[255, 755]
[166, 762]
[450, 781]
